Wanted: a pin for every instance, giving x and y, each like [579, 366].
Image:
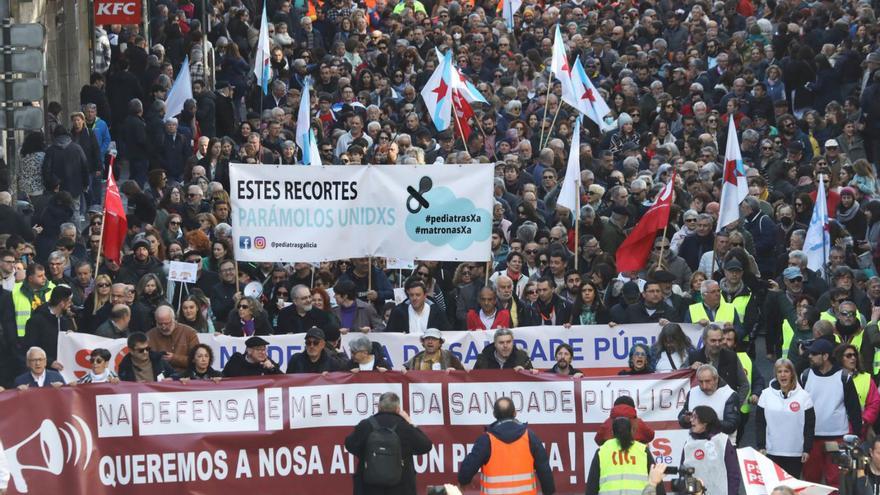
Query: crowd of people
[800, 81]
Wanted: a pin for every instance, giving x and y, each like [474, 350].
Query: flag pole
[460, 130]
[552, 124]
[370, 274]
[577, 224]
[546, 104]
[663, 245]
[101, 240]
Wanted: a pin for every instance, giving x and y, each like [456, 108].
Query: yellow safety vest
[622, 472]
[787, 335]
[746, 362]
[24, 306]
[862, 381]
[725, 312]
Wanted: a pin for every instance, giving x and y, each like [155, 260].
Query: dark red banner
[258, 433]
[117, 12]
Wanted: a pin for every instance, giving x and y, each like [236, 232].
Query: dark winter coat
[66, 162]
[412, 442]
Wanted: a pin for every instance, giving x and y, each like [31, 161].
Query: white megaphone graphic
[52, 449]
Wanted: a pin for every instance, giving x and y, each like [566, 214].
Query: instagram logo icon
[260, 242]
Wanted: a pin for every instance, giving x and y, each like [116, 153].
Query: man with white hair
[38, 375]
[175, 150]
[174, 339]
[712, 391]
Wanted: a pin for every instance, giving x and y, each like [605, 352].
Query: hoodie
[508, 431]
[66, 162]
[641, 431]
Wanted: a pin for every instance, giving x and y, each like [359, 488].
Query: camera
[850, 454]
[436, 490]
[686, 483]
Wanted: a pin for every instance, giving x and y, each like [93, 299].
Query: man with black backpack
[384, 445]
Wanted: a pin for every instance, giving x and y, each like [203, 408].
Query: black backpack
[383, 461]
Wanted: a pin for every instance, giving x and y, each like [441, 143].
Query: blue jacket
[102, 134]
[507, 431]
[52, 376]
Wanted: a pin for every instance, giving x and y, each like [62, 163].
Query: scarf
[845, 215]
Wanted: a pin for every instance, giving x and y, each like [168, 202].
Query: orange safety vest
[511, 468]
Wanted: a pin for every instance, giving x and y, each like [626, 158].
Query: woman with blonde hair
[95, 314]
[785, 421]
[865, 179]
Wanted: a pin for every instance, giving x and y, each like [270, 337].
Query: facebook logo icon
[244, 242]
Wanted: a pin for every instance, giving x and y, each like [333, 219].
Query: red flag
[634, 252]
[463, 113]
[115, 224]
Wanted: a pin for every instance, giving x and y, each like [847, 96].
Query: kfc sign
[117, 12]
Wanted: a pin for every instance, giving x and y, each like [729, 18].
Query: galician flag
[508, 9]
[461, 84]
[594, 106]
[262, 67]
[561, 69]
[305, 137]
[437, 93]
[818, 241]
[180, 91]
[571, 185]
[734, 187]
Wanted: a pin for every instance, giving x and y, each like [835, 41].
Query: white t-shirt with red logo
[785, 420]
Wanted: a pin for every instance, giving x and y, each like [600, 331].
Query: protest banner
[760, 476]
[598, 349]
[268, 434]
[285, 214]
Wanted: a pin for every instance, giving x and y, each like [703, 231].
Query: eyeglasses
[531, 292]
[141, 350]
[531, 251]
[640, 354]
[312, 342]
[847, 314]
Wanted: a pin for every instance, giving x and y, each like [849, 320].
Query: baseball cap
[315, 333]
[432, 333]
[792, 273]
[820, 346]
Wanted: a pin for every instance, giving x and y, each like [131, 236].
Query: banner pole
[370, 274]
[460, 130]
[488, 269]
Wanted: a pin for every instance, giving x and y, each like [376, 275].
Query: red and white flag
[734, 187]
[562, 70]
[115, 225]
[760, 476]
[633, 253]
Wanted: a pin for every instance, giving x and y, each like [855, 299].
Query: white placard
[180, 271]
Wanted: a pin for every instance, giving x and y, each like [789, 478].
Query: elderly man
[433, 356]
[502, 354]
[174, 339]
[713, 308]
[316, 358]
[725, 361]
[38, 375]
[302, 315]
[175, 150]
[521, 314]
[254, 362]
[712, 391]
[487, 316]
[117, 326]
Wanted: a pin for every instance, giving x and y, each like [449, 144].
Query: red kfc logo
[795, 406]
[699, 454]
[117, 12]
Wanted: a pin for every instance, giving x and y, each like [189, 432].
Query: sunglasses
[850, 355]
[312, 342]
[530, 292]
[141, 350]
[243, 306]
[174, 223]
[847, 314]
[103, 285]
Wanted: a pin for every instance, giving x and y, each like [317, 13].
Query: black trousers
[791, 465]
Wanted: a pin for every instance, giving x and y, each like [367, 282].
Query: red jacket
[502, 320]
[642, 432]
